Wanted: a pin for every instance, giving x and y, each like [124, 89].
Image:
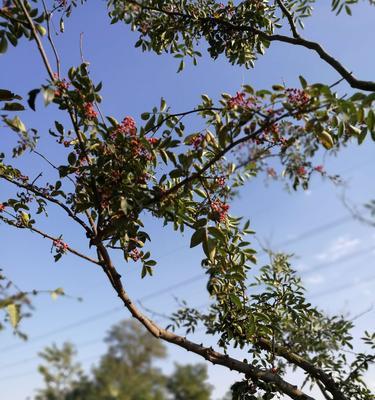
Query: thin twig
[49, 198]
[368, 86]
[56, 54]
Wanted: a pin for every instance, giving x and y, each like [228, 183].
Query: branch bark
[354, 82]
[329, 384]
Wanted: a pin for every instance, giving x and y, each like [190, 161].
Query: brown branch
[15, 224]
[216, 158]
[355, 83]
[207, 353]
[69, 108]
[317, 373]
[49, 198]
[289, 17]
[56, 54]
[68, 248]
[181, 114]
[21, 5]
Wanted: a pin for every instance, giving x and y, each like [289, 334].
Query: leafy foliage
[125, 372]
[117, 172]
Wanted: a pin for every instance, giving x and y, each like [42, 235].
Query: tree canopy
[125, 372]
[117, 172]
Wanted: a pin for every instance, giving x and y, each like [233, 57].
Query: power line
[344, 258]
[104, 314]
[343, 287]
[95, 317]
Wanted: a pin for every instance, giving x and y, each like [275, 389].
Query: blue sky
[337, 279]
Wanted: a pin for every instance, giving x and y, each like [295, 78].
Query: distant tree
[189, 382]
[126, 371]
[60, 372]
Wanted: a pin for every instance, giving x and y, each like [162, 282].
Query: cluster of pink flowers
[2, 207]
[153, 140]
[221, 209]
[220, 180]
[135, 254]
[138, 150]
[272, 129]
[60, 245]
[89, 110]
[301, 171]
[297, 97]
[319, 168]
[127, 127]
[240, 100]
[61, 85]
[271, 172]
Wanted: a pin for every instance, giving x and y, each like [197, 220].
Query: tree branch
[328, 382]
[52, 238]
[49, 198]
[21, 5]
[207, 353]
[355, 83]
[289, 17]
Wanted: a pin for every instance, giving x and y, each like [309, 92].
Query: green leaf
[3, 45]
[72, 158]
[13, 107]
[181, 66]
[145, 116]
[235, 300]
[209, 247]
[197, 237]
[41, 29]
[370, 120]
[16, 124]
[303, 81]
[32, 97]
[8, 95]
[14, 314]
[163, 105]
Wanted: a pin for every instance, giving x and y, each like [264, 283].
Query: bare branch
[49, 198]
[56, 54]
[50, 237]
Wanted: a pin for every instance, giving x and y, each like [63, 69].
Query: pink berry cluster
[220, 180]
[153, 141]
[240, 100]
[127, 127]
[61, 85]
[135, 255]
[220, 209]
[60, 246]
[89, 111]
[297, 97]
[301, 170]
